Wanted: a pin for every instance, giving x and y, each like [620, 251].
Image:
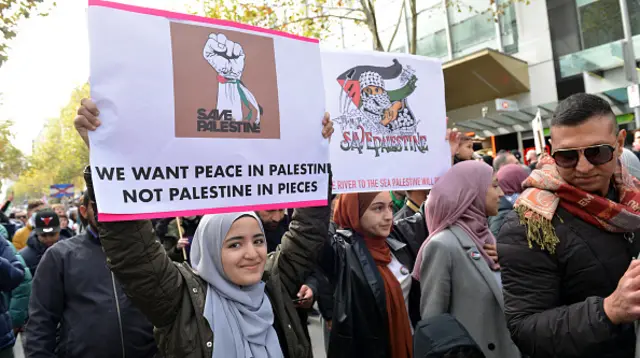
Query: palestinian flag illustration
[380, 95]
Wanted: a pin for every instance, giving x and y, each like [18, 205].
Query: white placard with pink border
[390, 120]
[202, 115]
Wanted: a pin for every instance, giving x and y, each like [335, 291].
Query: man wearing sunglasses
[570, 286]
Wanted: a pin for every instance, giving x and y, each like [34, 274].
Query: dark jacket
[495, 222]
[274, 237]
[75, 289]
[172, 296]
[19, 297]
[440, 335]
[320, 281]
[171, 235]
[554, 302]
[360, 327]
[404, 212]
[11, 275]
[32, 253]
[66, 233]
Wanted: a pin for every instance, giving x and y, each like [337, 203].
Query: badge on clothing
[404, 270]
[475, 255]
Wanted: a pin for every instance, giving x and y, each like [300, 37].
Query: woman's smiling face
[244, 252]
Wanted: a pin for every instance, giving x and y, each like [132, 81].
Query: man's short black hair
[579, 107]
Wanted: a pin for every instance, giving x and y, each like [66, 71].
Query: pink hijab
[459, 198]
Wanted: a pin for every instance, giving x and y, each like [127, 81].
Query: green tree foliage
[59, 154]
[312, 18]
[12, 11]
[284, 15]
[12, 161]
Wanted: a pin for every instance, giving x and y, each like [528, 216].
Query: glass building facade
[469, 28]
[449, 32]
[589, 35]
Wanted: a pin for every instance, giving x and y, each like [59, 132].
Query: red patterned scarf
[546, 190]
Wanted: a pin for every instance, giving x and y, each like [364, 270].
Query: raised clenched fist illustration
[225, 56]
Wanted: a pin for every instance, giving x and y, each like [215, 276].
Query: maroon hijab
[510, 178]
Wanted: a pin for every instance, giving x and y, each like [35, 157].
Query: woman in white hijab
[229, 253]
[236, 302]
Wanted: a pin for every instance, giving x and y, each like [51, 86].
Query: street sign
[505, 105]
[634, 96]
[60, 190]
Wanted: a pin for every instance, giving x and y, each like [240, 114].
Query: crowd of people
[498, 259]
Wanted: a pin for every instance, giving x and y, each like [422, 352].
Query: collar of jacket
[34, 242]
[369, 270]
[413, 206]
[92, 235]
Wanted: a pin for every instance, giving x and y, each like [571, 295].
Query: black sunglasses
[597, 155]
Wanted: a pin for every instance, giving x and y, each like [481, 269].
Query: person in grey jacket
[457, 275]
[75, 290]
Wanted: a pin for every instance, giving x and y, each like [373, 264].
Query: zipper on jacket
[630, 236]
[115, 295]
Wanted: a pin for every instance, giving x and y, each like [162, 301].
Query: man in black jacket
[46, 232]
[570, 287]
[75, 289]
[415, 198]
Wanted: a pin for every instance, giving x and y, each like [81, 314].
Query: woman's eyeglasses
[597, 155]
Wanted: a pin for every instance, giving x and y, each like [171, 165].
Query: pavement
[17, 349]
[315, 331]
[317, 339]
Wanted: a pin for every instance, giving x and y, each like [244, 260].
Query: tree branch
[330, 8]
[414, 28]
[395, 32]
[319, 17]
[369, 11]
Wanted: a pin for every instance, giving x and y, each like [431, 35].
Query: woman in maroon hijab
[510, 178]
[374, 291]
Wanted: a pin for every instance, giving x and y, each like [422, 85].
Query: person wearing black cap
[74, 282]
[47, 232]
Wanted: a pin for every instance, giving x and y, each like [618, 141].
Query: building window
[472, 27]
[432, 36]
[600, 22]
[473, 34]
[509, 29]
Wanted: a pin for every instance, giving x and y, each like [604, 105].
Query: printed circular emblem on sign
[404, 270]
[475, 255]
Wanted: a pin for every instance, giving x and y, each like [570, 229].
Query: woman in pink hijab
[457, 275]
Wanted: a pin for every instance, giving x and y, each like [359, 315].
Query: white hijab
[241, 317]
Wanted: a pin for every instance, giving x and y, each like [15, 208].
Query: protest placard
[202, 115]
[389, 115]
